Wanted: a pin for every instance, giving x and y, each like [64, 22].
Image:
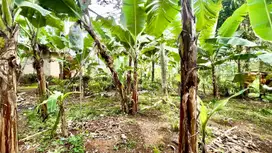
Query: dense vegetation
[136, 76]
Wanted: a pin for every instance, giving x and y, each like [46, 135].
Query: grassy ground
[97, 125]
[247, 112]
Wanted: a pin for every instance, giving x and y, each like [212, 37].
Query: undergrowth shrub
[28, 79]
[100, 84]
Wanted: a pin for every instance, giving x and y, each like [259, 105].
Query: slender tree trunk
[260, 79]
[214, 81]
[153, 70]
[61, 70]
[135, 88]
[247, 61]
[188, 104]
[64, 128]
[240, 72]
[129, 76]
[204, 88]
[109, 62]
[8, 85]
[39, 66]
[163, 70]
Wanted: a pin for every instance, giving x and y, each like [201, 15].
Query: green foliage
[160, 13]
[7, 12]
[38, 16]
[120, 33]
[69, 7]
[156, 150]
[52, 102]
[262, 26]
[76, 142]
[207, 13]
[99, 84]
[205, 115]
[232, 23]
[133, 16]
[28, 79]
[266, 58]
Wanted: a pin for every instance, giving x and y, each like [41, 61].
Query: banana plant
[9, 30]
[221, 50]
[261, 26]
[72, 9]
[205, 114]
[254, 8]
[55, 102]
[34, 28]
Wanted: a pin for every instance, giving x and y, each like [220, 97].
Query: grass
[249, 112]
[28, 87]
[93, 109]
[258, 114]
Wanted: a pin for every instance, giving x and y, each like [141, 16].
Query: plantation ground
[97, 125]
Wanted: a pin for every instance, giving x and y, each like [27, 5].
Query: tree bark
[109, 62]
[240, 72]
[153, 70]
[64, 129]
[135, 88]
[247, 61]
[163, 70]
[39, 67]
[61, 76]
[188, 104]
[204, 88]
[8, 85]
[129, 76]
[214, 81]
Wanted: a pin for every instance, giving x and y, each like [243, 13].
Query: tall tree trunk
[39, 67]
[8, 85]
[109, 62]
[163, 69]
[188, 104]
[153, 69]
[135, 88]
[214, 81]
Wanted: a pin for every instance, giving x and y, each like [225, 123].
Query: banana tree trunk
[129, 76]
[135, 88]
[163, 70]
[240, 71]
[109, 62]
[188, 104]
[61, 70]
[153, 70]
[204, 88]
[260, 79]
[39, 67]
[8, 107]
[214, 81]
[247, 61]
[64, 129]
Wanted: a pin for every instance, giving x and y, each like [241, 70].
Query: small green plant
[156, 150]
[76, 142]
[131, 144]
[54, 102]
[205, 115]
